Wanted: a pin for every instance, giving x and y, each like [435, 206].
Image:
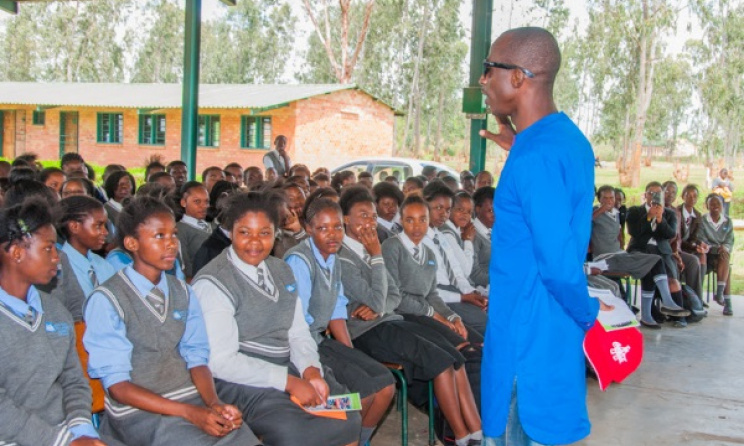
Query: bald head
[532, 48]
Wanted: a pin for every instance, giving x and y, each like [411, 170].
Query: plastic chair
[95, 384]
[402, 403]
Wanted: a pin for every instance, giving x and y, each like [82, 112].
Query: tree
[671, 100]
[342, 53]
[719, 57]
[628, 37]
[160, 58]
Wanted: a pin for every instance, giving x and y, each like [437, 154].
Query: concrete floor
[689, 390]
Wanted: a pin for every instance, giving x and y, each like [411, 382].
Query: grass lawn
[662, 172]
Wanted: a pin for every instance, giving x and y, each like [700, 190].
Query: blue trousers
[514, 435]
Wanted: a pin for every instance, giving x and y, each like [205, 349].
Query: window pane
[105, 128]
[266, 133]
[215, 142]
[160, 130]
[251, 134]
[146, 129]
[202, 137]
[119, 131]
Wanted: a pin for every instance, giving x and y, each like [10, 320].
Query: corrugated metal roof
[157, 96]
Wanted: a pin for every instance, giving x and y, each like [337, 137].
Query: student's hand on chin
[87, 441]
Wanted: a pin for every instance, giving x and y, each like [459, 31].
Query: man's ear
[516, 78]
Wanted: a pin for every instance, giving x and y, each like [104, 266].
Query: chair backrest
[95, 384]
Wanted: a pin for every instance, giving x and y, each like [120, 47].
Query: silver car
[401, 168]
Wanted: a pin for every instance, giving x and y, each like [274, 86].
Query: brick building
[127, 123]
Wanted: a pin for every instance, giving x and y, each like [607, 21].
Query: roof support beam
[190, 109]
[10, 6]
[480, 43]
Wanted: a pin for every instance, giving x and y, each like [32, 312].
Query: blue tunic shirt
[540, 308]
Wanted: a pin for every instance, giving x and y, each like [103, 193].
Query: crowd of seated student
[340, 275]
[122, 257]
[667, 244]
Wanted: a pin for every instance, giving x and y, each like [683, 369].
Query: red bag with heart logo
[615, 354]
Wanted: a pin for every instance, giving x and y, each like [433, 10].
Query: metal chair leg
[432, 436]
[402, 405]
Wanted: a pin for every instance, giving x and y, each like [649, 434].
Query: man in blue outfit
[533, 377]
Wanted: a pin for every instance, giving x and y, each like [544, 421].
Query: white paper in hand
[619, 317]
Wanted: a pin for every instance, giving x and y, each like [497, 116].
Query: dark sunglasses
[505, 66]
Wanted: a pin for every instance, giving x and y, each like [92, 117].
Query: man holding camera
[651, 228]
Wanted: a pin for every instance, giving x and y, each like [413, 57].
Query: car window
[357, 168]
[382, 171]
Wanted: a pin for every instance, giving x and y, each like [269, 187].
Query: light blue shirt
[81, 265]
[20, 308]
[106, 335]
[118, 259]
[305, 284]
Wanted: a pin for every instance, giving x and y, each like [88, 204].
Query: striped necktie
[92, 276]
[262, 281]
[156, 298]
[416, 253]
[204, 226]
[448, 267]
[30, 316]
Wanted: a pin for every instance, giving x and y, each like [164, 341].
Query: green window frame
[38, 117]
[110, 128]
[152, 130]
[209, 131]
[255, 132]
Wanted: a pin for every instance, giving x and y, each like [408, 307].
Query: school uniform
[464, 253]
[119, 259]
[192, 233]
[422, 351]
[258, 337]
[321, 293]
[211, 248]
[453, 282]
[716, 234]
[150, 335]
[286, 240]
[45, 398]
[76, 278]
[482, 253]
[413, 270]
[113, 209]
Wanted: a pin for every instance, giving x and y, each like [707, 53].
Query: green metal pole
[480, 44]
[190, 108]
[10, 6]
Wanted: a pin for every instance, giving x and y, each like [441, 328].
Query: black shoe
[679, 312]
[719, 300]
[475, 442]
[680, 323]
[653, 326]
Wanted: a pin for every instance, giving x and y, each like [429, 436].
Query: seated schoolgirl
[83, 224]
[377, 330]
[261, 349]
[459, 231]
[148, 345]
[44, 396]
[318, 274]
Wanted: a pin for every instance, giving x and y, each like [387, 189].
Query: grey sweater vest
[263, 320]
[157, 364]
[482, 262]
[324, 291]
[447, 229]
[369, 285]
[66, 288]
[44, 390]
[191, 239]
[605, 231]
[417, 282]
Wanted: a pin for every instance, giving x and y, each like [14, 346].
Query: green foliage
[161, 57]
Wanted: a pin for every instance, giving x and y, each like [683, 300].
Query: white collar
[193, 222]
[481, 228]
[408, 243]
[384, 223]
[249, 270]
[686, 214]
[720, 223]
[355, 246]
[115, 204]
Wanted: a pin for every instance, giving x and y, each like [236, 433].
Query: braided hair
[21, 221]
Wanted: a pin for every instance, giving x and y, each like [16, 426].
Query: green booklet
[339, 403]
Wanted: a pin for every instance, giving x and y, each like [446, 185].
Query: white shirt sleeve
[226, 362]
[465, 256]
[268, 163]
[303, 350]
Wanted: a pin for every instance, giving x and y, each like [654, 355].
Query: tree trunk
[416, 74]
[438, 140]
